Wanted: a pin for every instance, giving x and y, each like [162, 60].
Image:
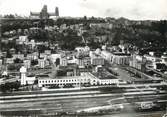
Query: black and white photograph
[83, 58]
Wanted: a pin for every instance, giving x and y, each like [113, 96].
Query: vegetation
[17, 60]
[143, 34]
[10, 86]
[14, 66]
[34, 62]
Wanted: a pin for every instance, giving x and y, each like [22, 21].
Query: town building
[31, 57]
[104, 47]
[9, 60]
[47, 52]
[42, 55]
[63, 61]
[101, 25]
[84, 51]
[80, 71]
[41, 63]
[159, 66]
[22, 39]
[31, 44]
[27, 64]
[74, 76]
[5, 73]
[106, 55]
[63, 27]
[19, 56]
[12, 51]
[26, 79]
[164, 59]
[61, 81]
[0, 64]
[55, 57]
[23, 72]
[152, 58]
[103, 77]
[138, 62]
[30, 79]
[96, 59]
[76, 81]
[82, 62]
[120, 58]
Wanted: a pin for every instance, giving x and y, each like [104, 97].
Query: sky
[131, 9]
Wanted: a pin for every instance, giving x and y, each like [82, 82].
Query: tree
[57, 62]
[85, 18]
[8, 55]
[9, 16]
[2, 88]
[17, 60]
[10, 86]
[34, 62]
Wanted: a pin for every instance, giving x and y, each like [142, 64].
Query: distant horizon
[28, 17]
[129, 9]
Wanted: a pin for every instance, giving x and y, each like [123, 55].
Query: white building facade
[85, 78]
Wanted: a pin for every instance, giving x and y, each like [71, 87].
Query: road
[163, 76]
[123, 74]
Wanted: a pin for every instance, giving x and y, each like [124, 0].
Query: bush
[10, 86]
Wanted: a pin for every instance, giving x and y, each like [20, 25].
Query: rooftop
[121, 54]
[104, 74]
[69, 66]
[61, 77]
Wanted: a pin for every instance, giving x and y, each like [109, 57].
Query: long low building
[61, 81]
[85, 78]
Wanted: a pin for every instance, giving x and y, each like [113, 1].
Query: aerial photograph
[83, 58]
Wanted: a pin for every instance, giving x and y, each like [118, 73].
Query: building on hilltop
[44, 14]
